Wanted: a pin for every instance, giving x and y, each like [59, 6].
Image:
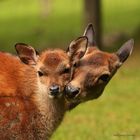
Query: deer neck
[50, 113]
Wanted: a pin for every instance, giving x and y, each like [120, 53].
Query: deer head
[51, 68]
[92, 72]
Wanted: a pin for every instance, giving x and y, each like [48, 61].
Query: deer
[92, 69]
[32, 102]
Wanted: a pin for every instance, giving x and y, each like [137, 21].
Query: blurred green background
[56, 25]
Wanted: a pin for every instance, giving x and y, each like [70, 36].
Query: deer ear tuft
[26, 53]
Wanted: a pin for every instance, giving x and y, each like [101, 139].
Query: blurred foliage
[121, 15]
[120, 21]
[23, 21]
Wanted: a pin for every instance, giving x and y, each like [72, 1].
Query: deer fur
[28, 111]
[92, 72]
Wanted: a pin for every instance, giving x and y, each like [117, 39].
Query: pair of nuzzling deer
[36, 89]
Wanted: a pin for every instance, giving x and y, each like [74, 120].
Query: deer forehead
[94, 59]
[99, 59]
[96, 64]
[54, 59]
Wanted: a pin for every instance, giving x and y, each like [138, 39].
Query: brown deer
[32, 102]
[94, 68]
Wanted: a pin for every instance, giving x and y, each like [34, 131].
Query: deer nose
[54, 89]
[71, 91]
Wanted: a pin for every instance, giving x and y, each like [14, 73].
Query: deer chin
[57, 96]
[86, 95]
[77, 98]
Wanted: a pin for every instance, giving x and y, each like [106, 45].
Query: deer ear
[26, 53]
[90, 34]
[125, 51]
[77, 48]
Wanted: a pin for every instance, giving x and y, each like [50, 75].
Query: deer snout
[54, 90]
[71, 91]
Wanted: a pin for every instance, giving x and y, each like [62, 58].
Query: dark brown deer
[32, 102]
[93, 68]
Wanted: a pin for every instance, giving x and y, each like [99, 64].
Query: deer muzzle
[71, 91]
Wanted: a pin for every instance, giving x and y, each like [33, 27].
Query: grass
[117, 111]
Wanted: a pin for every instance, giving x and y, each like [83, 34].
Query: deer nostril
[71, 92]
[54, 89]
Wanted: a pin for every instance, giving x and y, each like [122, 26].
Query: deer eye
[75, 64]
[104, 77]
[40, 73]
[66, 70]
